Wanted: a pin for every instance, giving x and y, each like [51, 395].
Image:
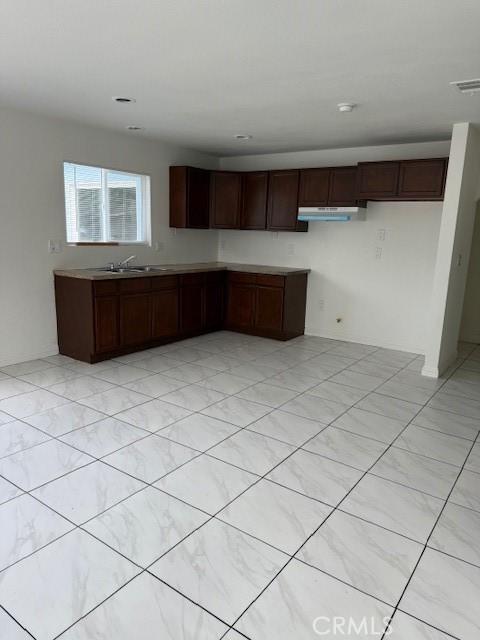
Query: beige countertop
[175, 269]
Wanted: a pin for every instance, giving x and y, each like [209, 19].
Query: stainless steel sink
[120, 269]
[143, 269]
[153, 268]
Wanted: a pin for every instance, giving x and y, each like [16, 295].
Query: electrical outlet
[54, 246]
[378, 253]
[321, 304]
[290, 249]
[381, 233]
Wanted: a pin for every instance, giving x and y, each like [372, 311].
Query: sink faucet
[124, 263]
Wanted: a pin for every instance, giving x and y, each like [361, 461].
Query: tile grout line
[79, 527]
[328, 516]
[425, 546]
[272, 409]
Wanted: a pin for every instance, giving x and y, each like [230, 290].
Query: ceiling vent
[467, 86]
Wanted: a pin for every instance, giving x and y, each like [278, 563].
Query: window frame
[145, 213]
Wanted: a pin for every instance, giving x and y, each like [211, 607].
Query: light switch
[378, 253]
[381, 233]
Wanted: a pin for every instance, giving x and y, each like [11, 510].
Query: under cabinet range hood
[331, 214]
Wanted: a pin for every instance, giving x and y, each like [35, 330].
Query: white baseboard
[374, 342]
[435, 371]
[430, 372]
[14, 357]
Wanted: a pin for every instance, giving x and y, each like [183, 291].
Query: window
[103, 205]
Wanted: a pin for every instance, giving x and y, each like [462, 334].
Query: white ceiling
[204, 70]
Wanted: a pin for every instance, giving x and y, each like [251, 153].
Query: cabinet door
[189, 197]
[225, 199]
[422, 179]
[198, 198]
[165, 313]
[314, 187]
[106, 324]
[254, 200]
[283, 200]
[241, 306]
[135, 319]
[269, 308]
[343, 187]
[377, 180]
[191, 308]
[214, 305]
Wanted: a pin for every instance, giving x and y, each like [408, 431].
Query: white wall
[458, 217]
[32, 151]
[470, 327]
[383, 302]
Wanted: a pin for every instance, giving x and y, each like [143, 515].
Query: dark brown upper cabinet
[314, 187]
[333, 187]
[189, 197]
[225, 199]
[422, 179]
[402, 180]
[343, 187]
[377, 180]
[254, 200]
[282, 208]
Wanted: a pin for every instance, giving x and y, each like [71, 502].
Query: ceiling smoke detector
[467, 86]
[123, 99]
[243, 136]
[346, 107]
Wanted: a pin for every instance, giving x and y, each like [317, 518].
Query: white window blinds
[103, 205]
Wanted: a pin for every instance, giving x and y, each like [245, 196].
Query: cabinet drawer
[270, 280]
[192, 279]
[105, 287]
[243, 278]
[164, 282]
[134, 285]
[214, 277]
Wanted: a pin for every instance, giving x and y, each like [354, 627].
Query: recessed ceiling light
[243, 136]
[134, 127]
[123, 99]
[346, 107]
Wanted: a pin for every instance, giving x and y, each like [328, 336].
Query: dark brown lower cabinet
[106, 324]
[135, 319]
[102, 319]
[269, 308]
[240, 306]
[267, 305]
[214, 311]
[164, 313]
[192, 303]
